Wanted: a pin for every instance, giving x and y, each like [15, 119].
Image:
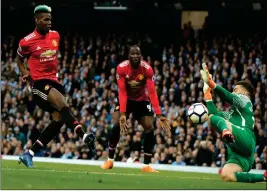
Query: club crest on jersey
[46, 87]
[54, 43]
[140, 77]
[48, 53]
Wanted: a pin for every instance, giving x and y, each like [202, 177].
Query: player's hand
[207, 92]
[164, 123]
[205, 73]
[206, 88]
[123, 123]
[27, 79]
[206, 76]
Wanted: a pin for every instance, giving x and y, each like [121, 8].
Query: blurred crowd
[108, 3]
[87, 71]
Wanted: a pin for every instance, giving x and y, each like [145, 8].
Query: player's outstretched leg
[223, 127]
[113, 141]
[46, 136]
[233, 173]
[58, 100]
[149, 142]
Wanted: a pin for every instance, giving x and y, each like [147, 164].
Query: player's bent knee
[56, 116]
[115, 117]
[57, 99]
[230, 177]
[147, 123]
[148, 127]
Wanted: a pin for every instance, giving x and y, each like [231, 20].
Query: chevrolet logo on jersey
[48, 53]
[133, 83]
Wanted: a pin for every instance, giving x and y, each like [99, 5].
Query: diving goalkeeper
[236, 127]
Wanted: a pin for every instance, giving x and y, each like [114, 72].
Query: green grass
[68, 176]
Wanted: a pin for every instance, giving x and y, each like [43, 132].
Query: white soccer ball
[198, 113]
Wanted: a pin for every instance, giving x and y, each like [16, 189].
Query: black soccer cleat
[90, 141]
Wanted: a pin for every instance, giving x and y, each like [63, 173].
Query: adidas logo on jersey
[38, 48]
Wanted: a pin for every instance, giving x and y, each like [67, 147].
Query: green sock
[218, 123]
[249, 177]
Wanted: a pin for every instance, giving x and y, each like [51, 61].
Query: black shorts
[40, 91]
[138, 108]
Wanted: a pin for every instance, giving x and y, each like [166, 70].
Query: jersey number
[149, 108]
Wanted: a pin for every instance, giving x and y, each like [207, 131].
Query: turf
[68, 176]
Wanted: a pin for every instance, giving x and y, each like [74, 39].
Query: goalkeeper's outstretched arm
[224, 94]
[221, 92]
[212, 109]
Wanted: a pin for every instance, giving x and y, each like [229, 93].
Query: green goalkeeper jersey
[241, 109]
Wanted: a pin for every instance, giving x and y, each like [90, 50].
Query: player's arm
[225, 95]
[21, 58]
[239, 101]
[152, 93]
[212, 109]
[122, 90]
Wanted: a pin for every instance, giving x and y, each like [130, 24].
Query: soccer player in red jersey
[137, 93]
[40, 48]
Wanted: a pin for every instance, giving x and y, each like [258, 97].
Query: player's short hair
[42, 9]
[248, 86]
[134, 46]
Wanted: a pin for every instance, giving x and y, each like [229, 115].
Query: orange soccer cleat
[107, 165]
[147, 168]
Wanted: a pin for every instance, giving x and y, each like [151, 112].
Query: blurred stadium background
[174, 36]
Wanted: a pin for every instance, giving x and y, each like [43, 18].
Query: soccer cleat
[26, 159]
[265, 175]
[147, 168]
[107, 165]
[90, 141]
[228, 136]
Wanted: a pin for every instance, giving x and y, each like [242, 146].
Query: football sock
[149, 143]
[218, 123]
[211, 107]
[248, 177]
[47, 135]
[71, 121]
[113, 140]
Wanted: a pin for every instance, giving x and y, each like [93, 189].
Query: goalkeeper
[236, 127]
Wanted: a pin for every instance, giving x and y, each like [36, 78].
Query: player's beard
[135, 64]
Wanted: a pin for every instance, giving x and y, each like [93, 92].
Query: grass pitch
[69, 176]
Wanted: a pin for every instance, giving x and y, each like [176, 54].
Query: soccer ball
[198, 113]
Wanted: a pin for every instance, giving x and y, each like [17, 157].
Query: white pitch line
[104, 173]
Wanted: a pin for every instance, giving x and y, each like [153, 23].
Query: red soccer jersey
[41, 51]
[136, 84]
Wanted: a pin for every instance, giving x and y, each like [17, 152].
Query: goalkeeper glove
[207, 93]
[207, 78]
